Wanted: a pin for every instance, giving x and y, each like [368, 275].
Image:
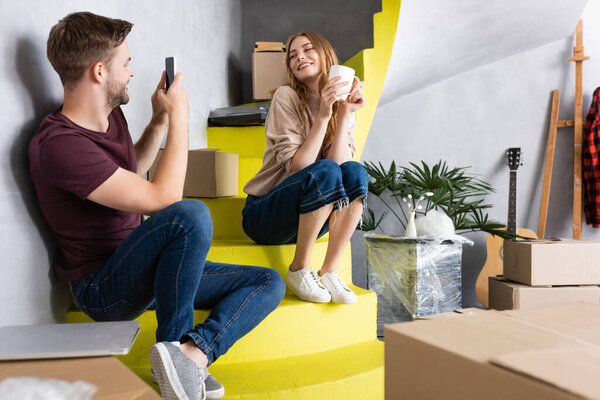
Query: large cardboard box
[268, 70]
[210, 173]
[113, 379]
[505, 295]
[544, 353]
[547, 262]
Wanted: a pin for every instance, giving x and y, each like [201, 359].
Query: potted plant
[415, 276]
[458, 194]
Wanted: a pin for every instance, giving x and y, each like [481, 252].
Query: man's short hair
[81, 39]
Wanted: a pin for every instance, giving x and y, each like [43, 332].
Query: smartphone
[171, 68]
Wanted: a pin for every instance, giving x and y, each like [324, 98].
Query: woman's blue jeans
[162, 264]
[273, 217]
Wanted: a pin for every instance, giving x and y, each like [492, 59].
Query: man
[88, 178]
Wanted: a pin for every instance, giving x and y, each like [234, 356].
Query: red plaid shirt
[591, 163]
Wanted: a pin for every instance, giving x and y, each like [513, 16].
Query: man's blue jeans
[162, 264]
[273, 217]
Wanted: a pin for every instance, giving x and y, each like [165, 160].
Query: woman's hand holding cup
[355, 100]
[332, 92]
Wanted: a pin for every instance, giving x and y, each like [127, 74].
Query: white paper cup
[347, 75]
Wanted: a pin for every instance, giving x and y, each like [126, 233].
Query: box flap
[469, 311]
[575, 370]
[450, 314]
[484, 335]
[269, 46]
[579, 320]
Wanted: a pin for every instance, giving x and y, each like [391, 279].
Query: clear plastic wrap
[413, 277]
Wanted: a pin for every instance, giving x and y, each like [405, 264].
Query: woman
[307, 184]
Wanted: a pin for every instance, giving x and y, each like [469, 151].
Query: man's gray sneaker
[178, 377]
[214, 389]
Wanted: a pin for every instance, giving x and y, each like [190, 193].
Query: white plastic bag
[30, 388]
[435, 224]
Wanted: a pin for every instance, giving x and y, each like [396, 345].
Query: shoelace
[337, 281]
[313, 274]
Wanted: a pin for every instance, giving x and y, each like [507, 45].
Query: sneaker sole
[313, 300]
[170, 388]
[210, 394]
[215, 394]
[301, 297]
[304, 298]
[353, 301]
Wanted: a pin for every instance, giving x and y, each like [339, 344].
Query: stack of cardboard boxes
[269, 70]
[534, 350]
[540, 273]
[543, 353]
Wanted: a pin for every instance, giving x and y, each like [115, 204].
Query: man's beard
[116, 93]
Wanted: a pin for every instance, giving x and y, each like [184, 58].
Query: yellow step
[348, 373]
[226, 214]
[247, 141]
[248, 167]
[295, 328]
[352, 372]
[372, 65]
[276, 257]
[357, 63]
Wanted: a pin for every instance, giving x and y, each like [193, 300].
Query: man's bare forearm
[170, 172]
[147, 147]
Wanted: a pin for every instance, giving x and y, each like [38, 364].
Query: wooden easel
[578, 58]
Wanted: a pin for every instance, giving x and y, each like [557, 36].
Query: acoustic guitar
[495, 245]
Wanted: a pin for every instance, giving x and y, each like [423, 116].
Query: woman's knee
[327, 166]
[327, 172]
[354, 172]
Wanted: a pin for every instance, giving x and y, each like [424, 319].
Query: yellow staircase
[301, 350]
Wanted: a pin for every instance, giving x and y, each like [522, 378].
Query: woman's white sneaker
[340, 293]
[305, 283]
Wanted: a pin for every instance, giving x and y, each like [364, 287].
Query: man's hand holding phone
[159, 112]
[174, 97]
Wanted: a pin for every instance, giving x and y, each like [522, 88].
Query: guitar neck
[511, 226]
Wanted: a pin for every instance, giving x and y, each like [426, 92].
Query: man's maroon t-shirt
[68, 162]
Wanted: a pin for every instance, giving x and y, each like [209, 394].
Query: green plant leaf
[368, 222]
[460, 194]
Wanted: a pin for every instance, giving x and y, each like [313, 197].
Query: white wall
[206, 37]
[471, 118]
[439, 39]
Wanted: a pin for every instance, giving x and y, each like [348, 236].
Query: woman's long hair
[327, 58]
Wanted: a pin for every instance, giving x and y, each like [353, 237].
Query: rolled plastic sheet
[413, 277]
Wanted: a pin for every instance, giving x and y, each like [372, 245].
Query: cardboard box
[113, 379]
[546, 262]
[544, 353]
[268, 70]
[505, 295]
[210, 173]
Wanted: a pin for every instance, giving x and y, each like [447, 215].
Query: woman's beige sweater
[285, 135]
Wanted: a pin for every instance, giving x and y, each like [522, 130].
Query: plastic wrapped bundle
[413, 277]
